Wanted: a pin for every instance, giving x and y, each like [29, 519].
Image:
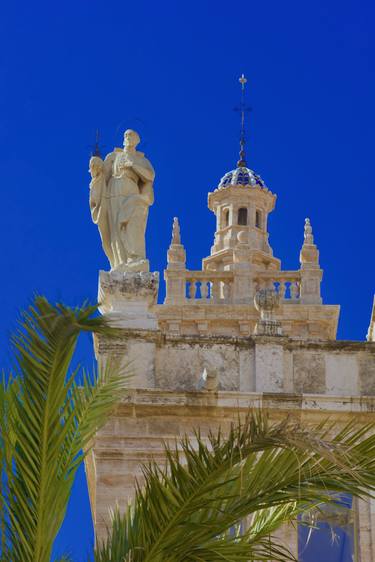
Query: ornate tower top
[241, 278]
[241, 203]
[242, 175]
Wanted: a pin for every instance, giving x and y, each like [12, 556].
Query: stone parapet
[176, 362]
[230, 319]
[301, 313]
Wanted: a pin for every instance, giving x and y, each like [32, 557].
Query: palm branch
[47, 422]
[265, 473]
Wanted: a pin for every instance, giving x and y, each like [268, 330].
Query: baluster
[192, 289]
[298, 289]
[282, 290]
[226, 291]
[204, 290]
[198, 289]
[215, 291]
[293, 290]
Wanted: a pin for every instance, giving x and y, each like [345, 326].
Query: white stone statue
[121, 191]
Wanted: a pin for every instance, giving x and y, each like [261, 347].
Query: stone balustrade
[218, 287]
[209, 287]
[199, 287]
[286, 283]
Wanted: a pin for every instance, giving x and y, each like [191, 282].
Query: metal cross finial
[243, 81]
[243, 108]
[96, 146]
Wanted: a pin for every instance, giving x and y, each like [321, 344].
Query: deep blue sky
[170, 70]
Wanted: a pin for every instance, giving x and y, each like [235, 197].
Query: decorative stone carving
[266, 301]
[176, 256]
[309, 256]
[176, 234]
[127, 298]
[121, 192]
[174, 274]
[311, 274]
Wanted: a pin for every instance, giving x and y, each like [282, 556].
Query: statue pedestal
[140, 266]
[126, 298]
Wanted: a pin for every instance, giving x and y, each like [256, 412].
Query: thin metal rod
[243, 108]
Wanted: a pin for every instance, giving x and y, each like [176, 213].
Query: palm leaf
[267, 473]
[4, 461]
[50, 421]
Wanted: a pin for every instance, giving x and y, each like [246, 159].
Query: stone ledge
[154, 399]
[160, 338]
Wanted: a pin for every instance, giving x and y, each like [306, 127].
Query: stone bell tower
[241, 203]
[238, 333]
[241, 263]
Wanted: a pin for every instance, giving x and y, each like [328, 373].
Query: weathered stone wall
[258, 364]
[147, 418]
[308, 379]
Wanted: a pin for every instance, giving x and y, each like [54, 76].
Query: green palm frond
[268, 473]
[4, 401]
[49, 421]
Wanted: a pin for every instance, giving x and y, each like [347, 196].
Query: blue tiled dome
[241, 176]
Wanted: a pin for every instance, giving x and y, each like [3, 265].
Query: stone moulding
[172, 401]
[104, 344]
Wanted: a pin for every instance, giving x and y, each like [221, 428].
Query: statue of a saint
[121, 191]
